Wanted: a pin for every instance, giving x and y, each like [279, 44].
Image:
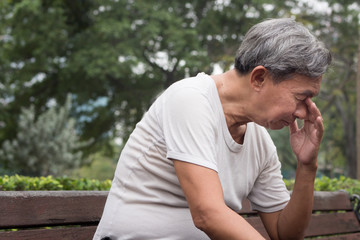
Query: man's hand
[305, 142]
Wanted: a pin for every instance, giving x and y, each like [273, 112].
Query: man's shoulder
[201, 82]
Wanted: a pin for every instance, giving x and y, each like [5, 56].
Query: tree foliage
[115, 56]
[44, 145]
[338, 24]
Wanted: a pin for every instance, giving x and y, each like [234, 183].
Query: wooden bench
[75, 214]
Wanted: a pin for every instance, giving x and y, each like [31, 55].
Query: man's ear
[257, 77]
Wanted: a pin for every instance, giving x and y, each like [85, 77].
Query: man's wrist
[310, 167]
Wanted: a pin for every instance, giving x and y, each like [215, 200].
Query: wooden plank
[332, 223]
[246, 208]
[329, 201]
[352, 236]
[258, 225]
[79, 233]
[323, 201]
[40, 208]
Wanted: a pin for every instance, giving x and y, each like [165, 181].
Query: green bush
[23, 183]
[49, 183]
[352, 186]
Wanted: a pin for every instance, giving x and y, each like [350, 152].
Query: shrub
[47, 144]
[352, 186]
[49, 183]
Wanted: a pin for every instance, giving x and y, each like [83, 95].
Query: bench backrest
[78, 212]
[332, 215]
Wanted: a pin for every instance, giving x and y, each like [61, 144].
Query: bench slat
[321, 224]
[332, 223]
[246, 208]
[352, 236]
[258, 225]
[323, 201]
[24, 209]
[51, 208]
[79, 233]
[328, 201]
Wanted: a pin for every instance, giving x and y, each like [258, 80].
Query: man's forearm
[227, 224]
[295, 218]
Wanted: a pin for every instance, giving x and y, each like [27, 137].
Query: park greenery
[50, 183]
[76, 76]
[52, 145]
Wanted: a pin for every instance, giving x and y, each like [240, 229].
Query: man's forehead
[313, 88]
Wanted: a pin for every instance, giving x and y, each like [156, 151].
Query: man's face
[282, 103]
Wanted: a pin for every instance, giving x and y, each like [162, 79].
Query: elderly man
[202, 147]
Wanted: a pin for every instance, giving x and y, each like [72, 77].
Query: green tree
[338, 26]
[44, 145]
[113, 56]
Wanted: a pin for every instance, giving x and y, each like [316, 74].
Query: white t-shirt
[187, 123]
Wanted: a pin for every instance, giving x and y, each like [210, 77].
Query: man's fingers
[320, 126]
[313, 111]
[293, 127]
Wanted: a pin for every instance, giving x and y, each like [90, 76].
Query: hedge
[50, 183]
[23, 183]
[352, 186]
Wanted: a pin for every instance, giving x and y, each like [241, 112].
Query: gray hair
[284, 47]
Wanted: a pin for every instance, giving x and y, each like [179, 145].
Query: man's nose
[301, 111]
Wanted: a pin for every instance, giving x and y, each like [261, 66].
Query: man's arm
[210, 214]
[292, 221]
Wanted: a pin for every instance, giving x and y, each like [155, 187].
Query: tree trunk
[358, 115]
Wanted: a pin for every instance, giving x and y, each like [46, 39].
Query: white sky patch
[99, 102]
[61, 61]
[36, 79]
[268, 7]
[252, 13]
[217, 69]
[162, 59]
[355, 7]
[119, 129]
[220, 4]
[318, 6]
[118, 141]
[5, 101]
[17, 65]
[139, 68]
[51, 103]
[121, 59]
[136, 23]
[182, 63]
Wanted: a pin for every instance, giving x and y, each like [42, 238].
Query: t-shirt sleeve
[269, 193]
[189, 128]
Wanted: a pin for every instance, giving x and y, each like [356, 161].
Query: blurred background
[77, 75]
